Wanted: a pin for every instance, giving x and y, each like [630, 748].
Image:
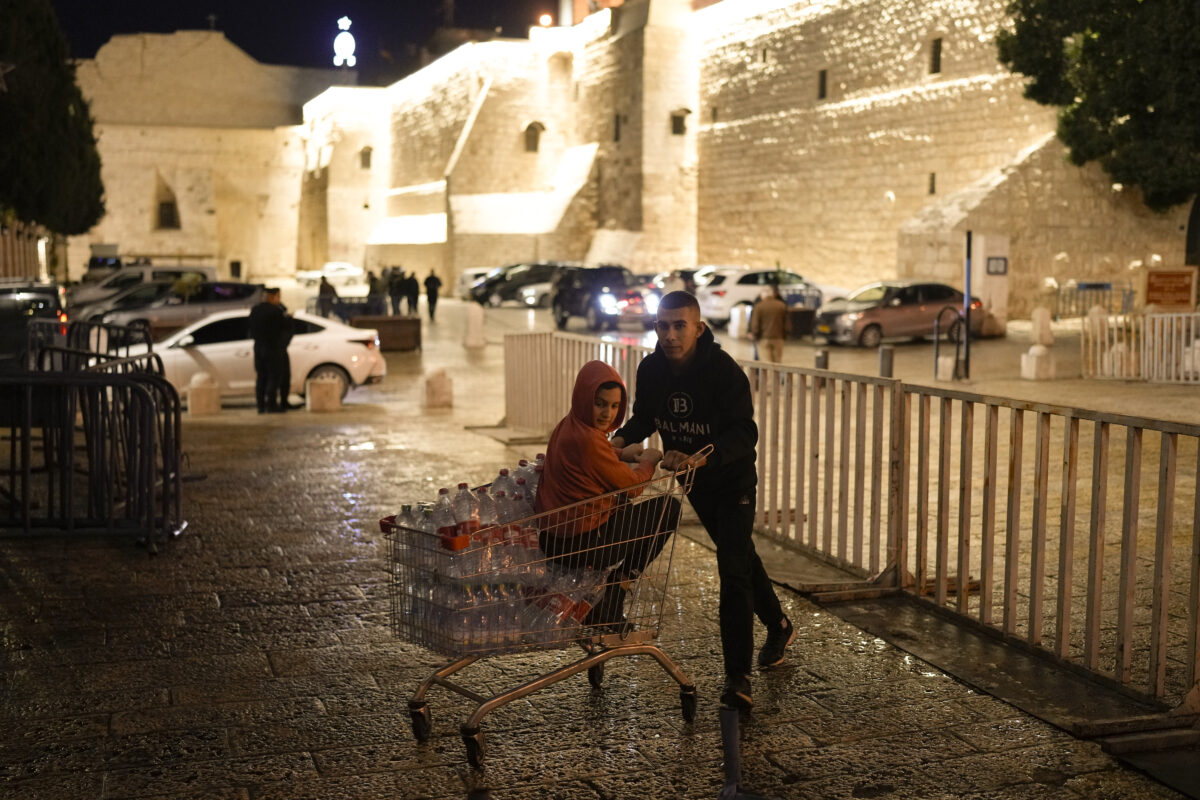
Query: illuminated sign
[343, 45]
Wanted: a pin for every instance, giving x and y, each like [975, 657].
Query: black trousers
[746, 591]
[627, 541]
[431, 298]
[269, 366]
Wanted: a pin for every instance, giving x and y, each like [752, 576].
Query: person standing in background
[326, 297]
[412, 291]
[266, 327]
[395, 287]
[432, 285]
[770, 324]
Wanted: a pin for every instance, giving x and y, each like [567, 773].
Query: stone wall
[1062, 222]
[236, 190]
[821, 186]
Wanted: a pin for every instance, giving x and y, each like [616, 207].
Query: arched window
[166, 208]
[533, 136]
[364, 157]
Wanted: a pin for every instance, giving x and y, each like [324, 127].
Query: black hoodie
[708, 403]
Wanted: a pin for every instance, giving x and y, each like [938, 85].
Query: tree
[1125, 74]
[49, 165]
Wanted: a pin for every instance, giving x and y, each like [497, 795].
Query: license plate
[823, 328]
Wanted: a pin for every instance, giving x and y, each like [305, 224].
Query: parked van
[125, 277]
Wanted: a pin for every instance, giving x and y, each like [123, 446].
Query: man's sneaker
[778, 639]
[736, 693]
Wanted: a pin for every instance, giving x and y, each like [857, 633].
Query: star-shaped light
[344, 24]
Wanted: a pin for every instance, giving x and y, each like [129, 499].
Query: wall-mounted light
[545, 20]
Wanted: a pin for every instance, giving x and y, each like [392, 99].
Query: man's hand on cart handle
[677, 460]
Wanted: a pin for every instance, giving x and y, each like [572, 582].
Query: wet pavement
[253, 658]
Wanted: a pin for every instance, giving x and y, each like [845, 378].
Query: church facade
[848, 140]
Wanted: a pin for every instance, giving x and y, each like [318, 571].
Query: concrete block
[323, 394]
[473, 332]
[1042, 334]
[1037, 364]
[203, 396]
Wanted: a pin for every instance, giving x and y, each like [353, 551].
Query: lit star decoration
[343, 45]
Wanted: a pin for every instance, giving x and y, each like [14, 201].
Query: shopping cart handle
[695, 460]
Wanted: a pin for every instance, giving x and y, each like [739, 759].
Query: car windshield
[871, 294]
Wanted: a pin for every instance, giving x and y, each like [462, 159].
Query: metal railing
[93, 437]
[952, 497]
[1161, 348]
[1077, 298]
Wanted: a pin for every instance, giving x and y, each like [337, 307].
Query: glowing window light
[343, 45]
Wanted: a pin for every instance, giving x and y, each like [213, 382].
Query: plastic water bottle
[489, 539]
[446, 527]
[520, 500]
[503, 483]
[466, 511]
[524, 470]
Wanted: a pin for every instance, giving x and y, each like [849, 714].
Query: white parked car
[220, 346]
[729, 287]
[336, 272]
[467, 278]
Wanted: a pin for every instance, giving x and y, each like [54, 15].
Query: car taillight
[976, 304]
[718, 293]
[370, 344]
[62, 323]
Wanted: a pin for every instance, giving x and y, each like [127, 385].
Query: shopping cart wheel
[687, 702]
[473, 739]
[596, 676]
[422, 721]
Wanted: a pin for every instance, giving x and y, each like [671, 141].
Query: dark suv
[20, 302]
[604, 296]
[504, 284]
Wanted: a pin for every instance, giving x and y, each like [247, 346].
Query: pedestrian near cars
[326, 297]
[432, 285]
[694, 394]
[395, 289]
[284, 381]
[268, 326]
[770, 324]
[375, 293]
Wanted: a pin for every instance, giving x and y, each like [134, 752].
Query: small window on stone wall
[679, 121]
[714, 113]
[822, 84]
[364, 158]
[166, 208]
[533, 136]
[616, 127]
[935, 56]
[168, 215]
[933, 183]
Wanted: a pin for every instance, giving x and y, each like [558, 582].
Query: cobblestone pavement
[252, 658]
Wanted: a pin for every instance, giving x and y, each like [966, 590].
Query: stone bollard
[1037, 364]
[203, 396]
[439, 390]
[1042, 333]
[887, 357]
[739, 322]
[821, 359]
[944, 368]
[473, 333]
[323, 394]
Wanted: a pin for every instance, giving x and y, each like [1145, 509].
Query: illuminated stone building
[846, 139]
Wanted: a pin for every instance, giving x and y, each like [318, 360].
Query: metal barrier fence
[1160, 348]
[950, 496]
[94, 438]
[1076, 299]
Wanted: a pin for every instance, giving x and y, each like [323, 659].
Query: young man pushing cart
[694, 394]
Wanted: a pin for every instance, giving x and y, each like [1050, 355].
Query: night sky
[297, 32]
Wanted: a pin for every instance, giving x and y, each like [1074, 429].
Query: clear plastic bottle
[466, 511]
[523, 507]
[524, 470]
[503, 483]
[488, 540]
[452, 543]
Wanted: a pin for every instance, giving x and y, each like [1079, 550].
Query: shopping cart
[473, 594]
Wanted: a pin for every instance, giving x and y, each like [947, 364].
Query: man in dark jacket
[432, 285]
[694, 394]
[270, 329]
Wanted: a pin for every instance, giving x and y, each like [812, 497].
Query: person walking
[432, 284]
[267, 325]
[326, 297]
[395, 287]
[412, 292]
[770, 324]
[694, 394]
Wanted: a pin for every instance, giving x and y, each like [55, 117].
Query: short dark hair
[679, 299]
[604, 387]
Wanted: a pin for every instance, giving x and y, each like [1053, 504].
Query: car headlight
[608, 303]
[651, 303]
[854, 317]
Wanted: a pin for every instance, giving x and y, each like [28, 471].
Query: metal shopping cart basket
[474, 594]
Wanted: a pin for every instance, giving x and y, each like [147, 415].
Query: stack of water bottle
[474, 576]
